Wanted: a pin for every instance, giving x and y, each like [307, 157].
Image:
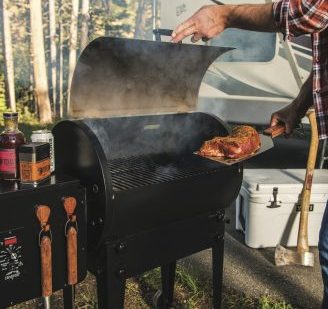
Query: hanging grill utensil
[45, 239]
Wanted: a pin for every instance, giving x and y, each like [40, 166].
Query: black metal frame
[128, 257]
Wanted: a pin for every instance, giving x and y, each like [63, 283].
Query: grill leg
[69, 297]
[168, 278]
[217, 261]
[111, 281]
[110, 291]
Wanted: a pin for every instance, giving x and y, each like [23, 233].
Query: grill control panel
[11, 256]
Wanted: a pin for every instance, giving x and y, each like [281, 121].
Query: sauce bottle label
[7, 161]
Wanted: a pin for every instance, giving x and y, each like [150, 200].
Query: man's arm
[292, 114]
[211, 20]
[297, 17]
[292, 17]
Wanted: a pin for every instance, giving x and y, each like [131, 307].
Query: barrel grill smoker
[150, 200]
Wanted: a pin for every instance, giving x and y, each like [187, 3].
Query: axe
[302, 256]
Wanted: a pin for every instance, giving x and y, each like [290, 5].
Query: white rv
[260, 76]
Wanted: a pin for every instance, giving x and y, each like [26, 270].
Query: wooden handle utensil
[71, 238]
[46, 266]
[69, 205]
[43, 214]
[72, 255]
[275, 130]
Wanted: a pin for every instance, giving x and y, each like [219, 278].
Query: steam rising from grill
[128, 77]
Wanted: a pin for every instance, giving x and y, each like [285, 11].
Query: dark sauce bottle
[10, 140]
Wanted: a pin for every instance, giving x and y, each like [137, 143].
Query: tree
[73, 44]
[108, 8]
[85, 23]
[144, 22]
[8, 55]
[60, 60]
[39, 64]
[34, 67]
[53, 51]
[141, 19]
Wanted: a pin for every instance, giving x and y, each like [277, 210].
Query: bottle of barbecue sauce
[10, 140]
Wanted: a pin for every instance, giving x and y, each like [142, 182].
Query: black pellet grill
[151, 201]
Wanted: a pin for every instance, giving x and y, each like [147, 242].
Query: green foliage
[107, 17]
[194, 293]
[25, 115]
[266, 302]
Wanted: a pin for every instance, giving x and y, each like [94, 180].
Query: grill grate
[135, 172]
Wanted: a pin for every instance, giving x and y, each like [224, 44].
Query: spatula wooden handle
[275, 130]
[72, 255]
[46, 266]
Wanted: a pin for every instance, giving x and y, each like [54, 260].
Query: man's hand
[292, 114]
[289, 116]
[206, 23]
[211, 20]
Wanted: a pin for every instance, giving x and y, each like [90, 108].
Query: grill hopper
[117, 76]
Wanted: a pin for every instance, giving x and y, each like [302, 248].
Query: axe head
[284, 257]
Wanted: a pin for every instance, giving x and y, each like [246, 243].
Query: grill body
[140, 172]
[151, 200]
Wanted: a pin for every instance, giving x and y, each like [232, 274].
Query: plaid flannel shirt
[297, 17]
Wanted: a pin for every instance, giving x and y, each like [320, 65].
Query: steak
[243, 141]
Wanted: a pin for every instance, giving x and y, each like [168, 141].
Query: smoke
[124, 77]
[131, 78]
[156, 134]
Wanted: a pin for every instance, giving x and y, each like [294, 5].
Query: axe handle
[302, 241]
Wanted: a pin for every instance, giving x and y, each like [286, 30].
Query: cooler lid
[116, 76]
[288, 181]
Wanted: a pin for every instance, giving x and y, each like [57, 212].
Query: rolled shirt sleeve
[297, 17]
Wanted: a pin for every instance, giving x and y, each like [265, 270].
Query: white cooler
[267, 208]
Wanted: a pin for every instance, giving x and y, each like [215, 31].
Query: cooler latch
[274, 200]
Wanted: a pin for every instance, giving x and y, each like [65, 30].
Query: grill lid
[117, 76]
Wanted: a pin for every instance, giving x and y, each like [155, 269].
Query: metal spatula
[266, 143]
